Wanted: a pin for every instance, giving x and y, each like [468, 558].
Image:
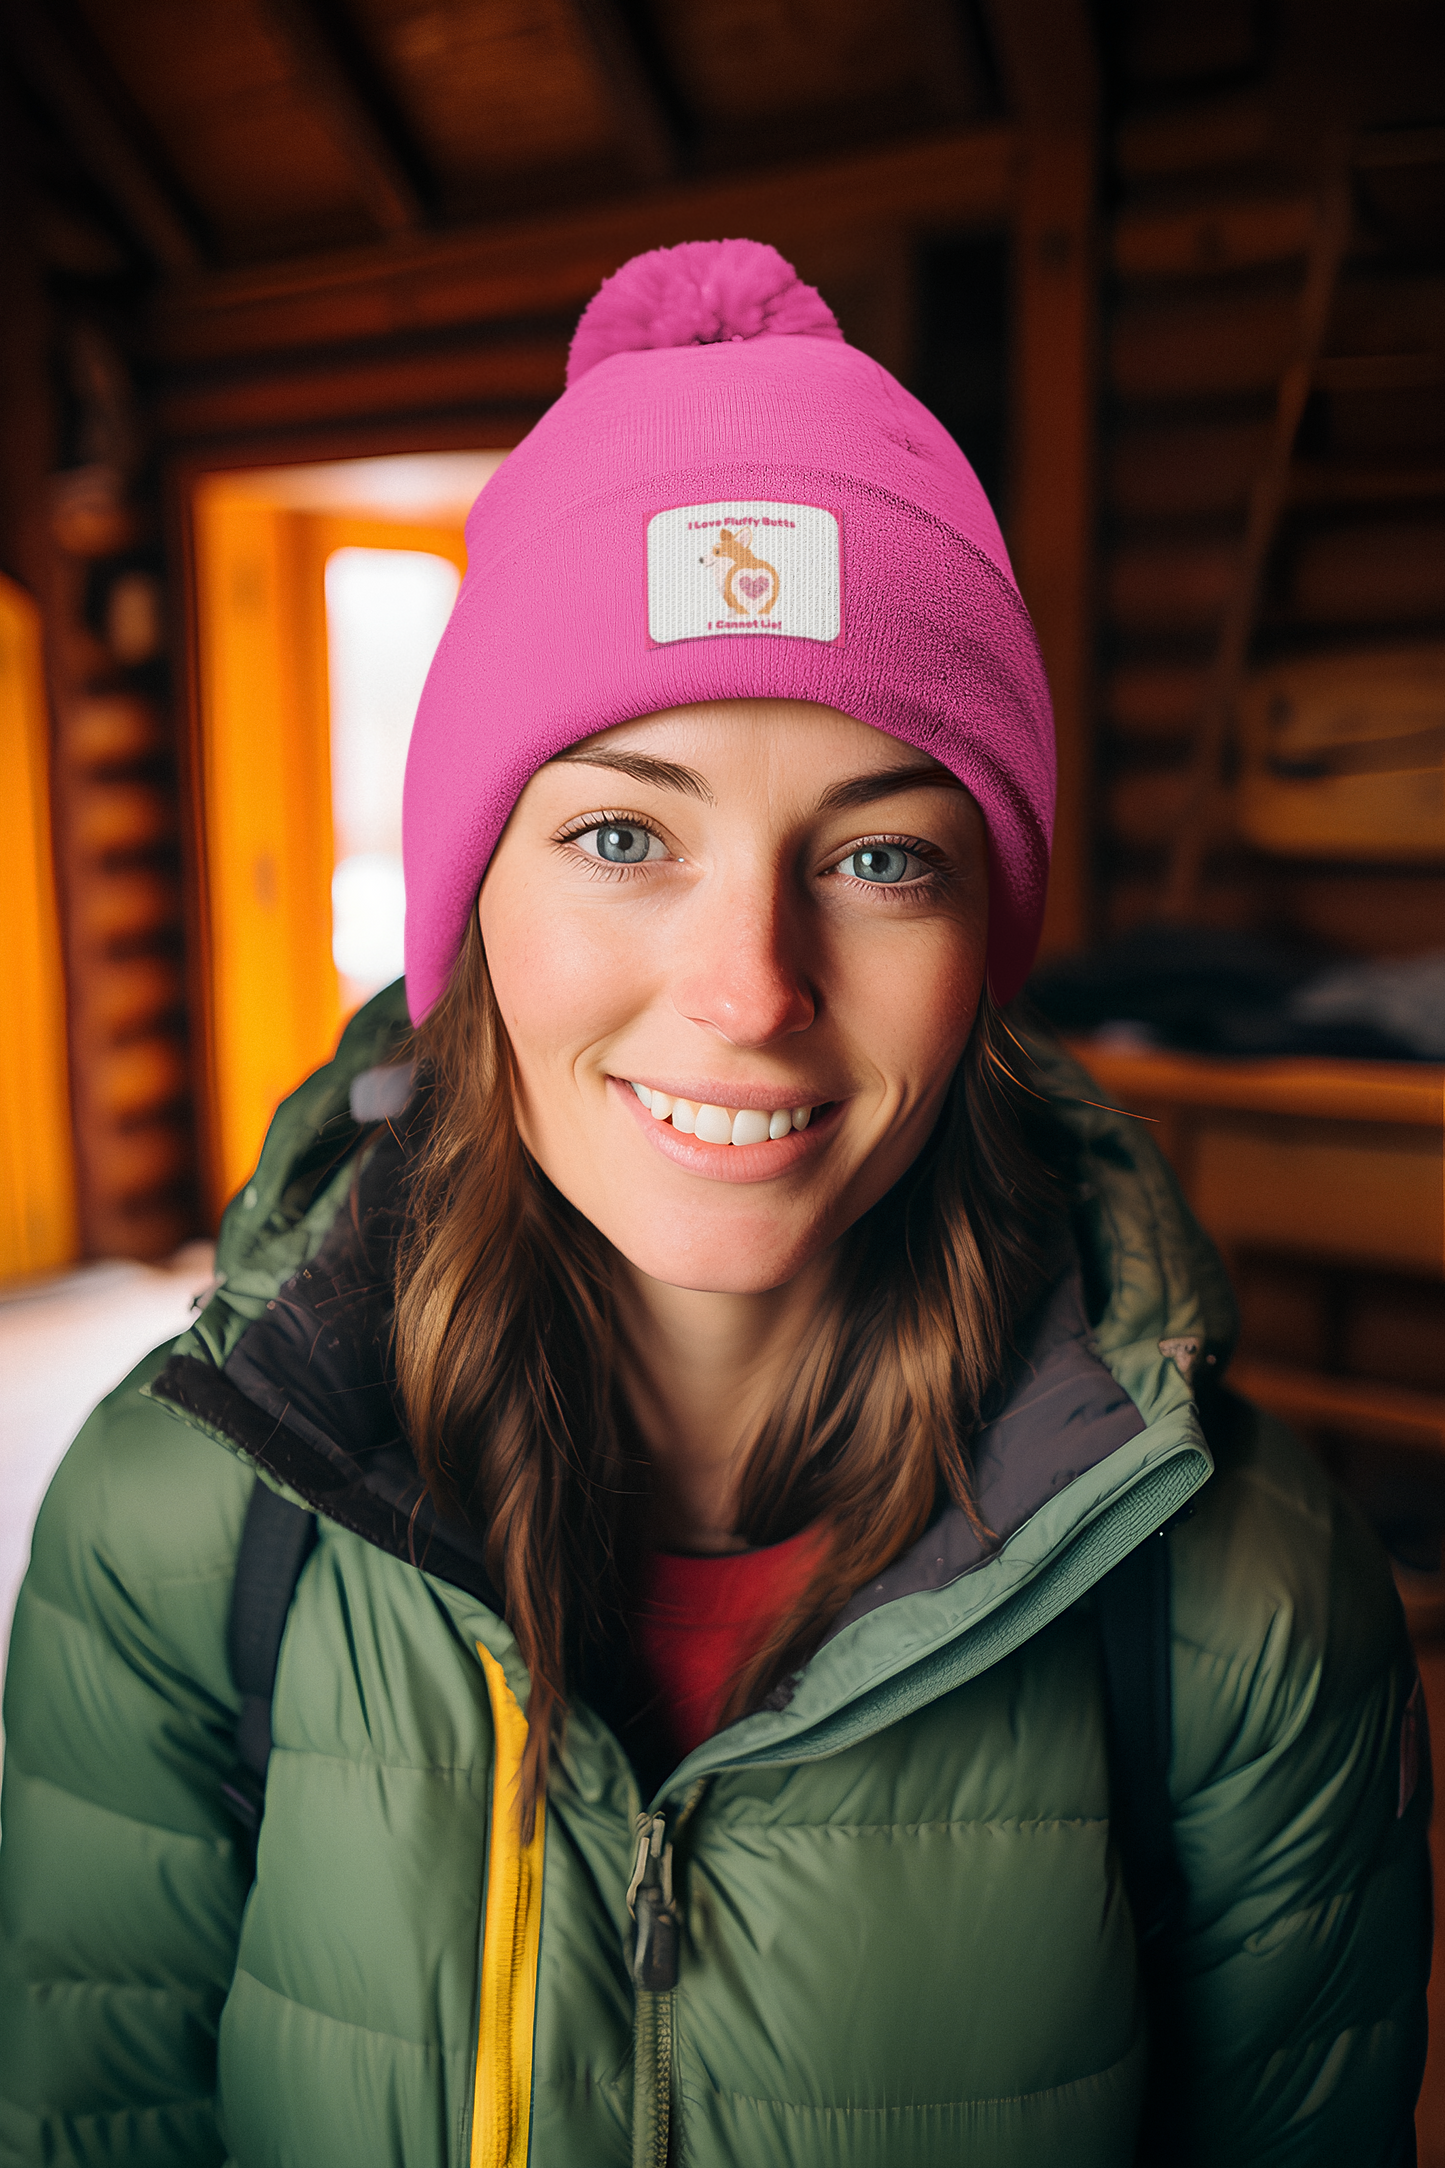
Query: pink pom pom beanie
[728, 502]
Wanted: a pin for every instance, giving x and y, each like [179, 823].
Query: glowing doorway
[320, 593]
[385, 612]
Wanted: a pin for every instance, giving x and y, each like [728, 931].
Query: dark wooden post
[1046, 52]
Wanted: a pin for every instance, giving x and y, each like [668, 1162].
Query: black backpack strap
[1136, 1637]
[275, 1544]
[1136, 1633]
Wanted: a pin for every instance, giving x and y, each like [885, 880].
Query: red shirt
[699, 1621]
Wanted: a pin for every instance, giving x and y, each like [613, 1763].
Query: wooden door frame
[486, 428]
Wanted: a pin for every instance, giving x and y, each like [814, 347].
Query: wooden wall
[37, 1183]
[1274, 209]
[80, 531]
[1232, 133]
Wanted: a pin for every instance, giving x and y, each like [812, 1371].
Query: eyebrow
[885, 783]
[664, 774]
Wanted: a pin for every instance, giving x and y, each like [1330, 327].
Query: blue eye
[621, 843]
[882, 863]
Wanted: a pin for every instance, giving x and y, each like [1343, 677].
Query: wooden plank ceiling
[272, 127]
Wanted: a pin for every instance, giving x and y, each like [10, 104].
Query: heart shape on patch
[754, 584]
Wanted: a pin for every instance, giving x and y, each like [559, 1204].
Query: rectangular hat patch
[737, 569]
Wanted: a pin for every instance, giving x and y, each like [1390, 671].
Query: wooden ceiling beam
[352, 108]
[652, 122]
[58, 62]
[337, 391]
[547, 265]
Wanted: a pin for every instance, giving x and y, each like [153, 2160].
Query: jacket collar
[305, 1392]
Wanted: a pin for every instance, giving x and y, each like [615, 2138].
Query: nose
[741, 972]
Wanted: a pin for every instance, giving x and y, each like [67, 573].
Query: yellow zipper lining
[511, 1934]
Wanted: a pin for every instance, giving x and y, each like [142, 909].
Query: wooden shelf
[1393, 1414]
[1397, 1092]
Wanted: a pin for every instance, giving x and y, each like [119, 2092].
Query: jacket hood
[1095, 1445]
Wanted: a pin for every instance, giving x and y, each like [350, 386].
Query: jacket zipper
[655, 1952]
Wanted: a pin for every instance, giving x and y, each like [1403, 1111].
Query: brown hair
[506, 1342]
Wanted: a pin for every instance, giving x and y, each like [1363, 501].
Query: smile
[723, 1125]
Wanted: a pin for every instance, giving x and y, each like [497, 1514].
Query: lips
[719, 1124]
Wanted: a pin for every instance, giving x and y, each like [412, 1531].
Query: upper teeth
[722, 1125]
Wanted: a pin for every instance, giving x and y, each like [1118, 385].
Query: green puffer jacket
[904, 1935]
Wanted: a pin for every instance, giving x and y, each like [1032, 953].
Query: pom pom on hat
[698, 294]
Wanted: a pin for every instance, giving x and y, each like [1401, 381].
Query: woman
[728, 1394]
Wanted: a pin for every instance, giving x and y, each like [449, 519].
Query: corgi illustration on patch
[748, 582]
[740, 571]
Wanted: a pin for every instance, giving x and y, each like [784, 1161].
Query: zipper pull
[649, 1900]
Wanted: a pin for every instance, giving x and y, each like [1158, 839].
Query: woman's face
[747, 908]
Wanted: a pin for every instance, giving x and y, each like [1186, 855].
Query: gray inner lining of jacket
[1063, 1414]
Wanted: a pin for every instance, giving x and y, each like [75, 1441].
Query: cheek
[560, 982]
[911, 1004]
